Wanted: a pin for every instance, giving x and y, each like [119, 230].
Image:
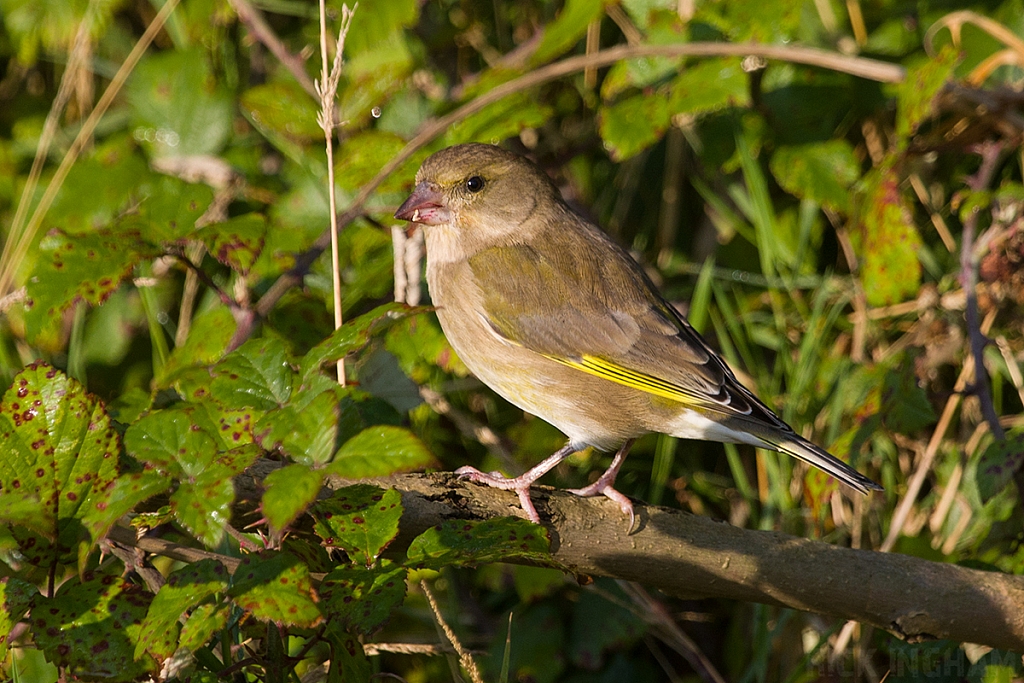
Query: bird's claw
[600, 488]
[496, 480]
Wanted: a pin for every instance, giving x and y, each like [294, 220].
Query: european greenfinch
[549, 312]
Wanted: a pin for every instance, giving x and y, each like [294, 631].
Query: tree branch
[697, 557]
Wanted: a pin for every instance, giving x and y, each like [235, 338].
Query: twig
[969, 262]
[17, 254]
[856, 66]
[326, 90]
[261, 31]
[465, 658]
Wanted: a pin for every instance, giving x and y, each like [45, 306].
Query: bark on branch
[692, 556]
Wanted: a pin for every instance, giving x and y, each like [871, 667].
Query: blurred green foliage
[813, 220]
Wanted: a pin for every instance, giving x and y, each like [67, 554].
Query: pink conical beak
[425, 205]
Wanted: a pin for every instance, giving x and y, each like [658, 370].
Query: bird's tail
[800, 448]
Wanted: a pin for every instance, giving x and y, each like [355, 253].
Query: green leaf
[352, 336]
[59, 456]
[283, 108]
[709, 85]
[890, 270]
[289, 491]
[305, 430]
[362, 599]
[80, 268]
[178, 107]
[185, 589]
[917, 92]
[202, 624]
[505, 118]
[171, 440]
[90, 627]
[255, 375]
[1000, 461]
[348, 659]
[276, 587]
[377, 20]
[633, 124]
[360, 157]
[207, 341]
[170, 209]
[820, 171]
[567, 29]
[461, 542]
[361, 520]
[107, 505]
[379, 451]
[203, 505]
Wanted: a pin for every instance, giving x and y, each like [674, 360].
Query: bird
[547, 310]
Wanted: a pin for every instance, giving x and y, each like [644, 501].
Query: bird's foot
[521, 485]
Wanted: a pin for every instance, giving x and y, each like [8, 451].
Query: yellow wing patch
[614, 372]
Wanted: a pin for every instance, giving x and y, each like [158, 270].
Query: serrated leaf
[79, 268]
[348, 659]
[361, 520]
[289, 491]
[108, 504]
[462, 542]
[379, 451]
[820, 171]
[207, 341]
[60, 453]
[203, 505]
[889, 242]
[185, 589]
[89, 628]
[306, 431]
[352, 336]
[997, 465]
[255, 375]
[236, 243]
[276, 588]
[172, 440]
[230, 428]
[918, 90]
[362, 599]
[632, 124]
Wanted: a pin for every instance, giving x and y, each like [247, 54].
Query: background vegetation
[847, 233]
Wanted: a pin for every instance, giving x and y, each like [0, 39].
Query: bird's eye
[475, 184]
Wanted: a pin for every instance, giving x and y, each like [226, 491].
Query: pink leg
[604, 485]
[521, 484]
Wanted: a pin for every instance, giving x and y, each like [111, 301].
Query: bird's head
[481, 191]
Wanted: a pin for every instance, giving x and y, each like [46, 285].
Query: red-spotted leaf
[362, 599]
[361, 520]
[107, 505]
[173, 440]
[289, 491]
[304, 429]
[1000, 461]
[255, 375]
[461, 542]
[87, 267]
[184, 590]
[379, 451]
[276, 588]
[236, 243]
[89, 629]
[59, 453]
[889, 242]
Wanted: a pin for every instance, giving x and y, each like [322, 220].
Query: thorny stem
[969, 262]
